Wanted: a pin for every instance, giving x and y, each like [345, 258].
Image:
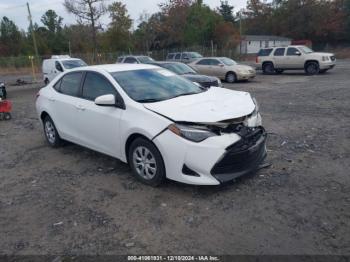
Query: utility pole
[240, 32]
[33, 34]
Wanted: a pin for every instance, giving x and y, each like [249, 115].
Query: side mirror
[110, 100]
[298, 53]
[221, 65]
[105, 100]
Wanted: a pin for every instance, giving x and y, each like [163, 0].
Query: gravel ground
[72, 200]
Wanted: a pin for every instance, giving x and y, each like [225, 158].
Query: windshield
[145, 59]
[152, 85]
[195, 55]
[306, 50]
[69, 64]
[180, 69]
[228, 61]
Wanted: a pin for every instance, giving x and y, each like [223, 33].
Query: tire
[230, 77]
[323, 71]
[7, 116]
[146, 162]
[279, 71]
[51, 134]
[312, 68]
[268, 68]
[46, 81]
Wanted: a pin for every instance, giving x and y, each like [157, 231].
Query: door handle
[80, 107]
[52, 99]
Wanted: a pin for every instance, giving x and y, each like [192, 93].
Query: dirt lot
[75, 201]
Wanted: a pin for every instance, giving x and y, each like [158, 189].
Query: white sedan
[163, 125]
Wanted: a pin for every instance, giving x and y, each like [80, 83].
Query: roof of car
[117, 67]
[282, 46]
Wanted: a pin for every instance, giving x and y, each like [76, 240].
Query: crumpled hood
[214, 105]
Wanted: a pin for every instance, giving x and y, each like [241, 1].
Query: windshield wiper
[149, 100]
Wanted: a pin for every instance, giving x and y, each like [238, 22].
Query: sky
[16, 10]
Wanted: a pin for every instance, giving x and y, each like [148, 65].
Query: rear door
[203, 66]
[279, 58]
[63, 104]
[98, 125]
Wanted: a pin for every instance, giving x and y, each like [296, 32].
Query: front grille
[332, 57]
[244, 155]
[209, 84]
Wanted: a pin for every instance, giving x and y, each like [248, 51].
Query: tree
[89, 11]
[226, 11]
[118, 30]
[52, 21]
[53, 26]
[10, 37]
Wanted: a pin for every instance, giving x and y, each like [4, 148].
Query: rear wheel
[231, 77]
[268, 68]
[51, 133]
[146, 162]
[312, 68]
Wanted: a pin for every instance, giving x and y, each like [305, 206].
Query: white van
[58, 64]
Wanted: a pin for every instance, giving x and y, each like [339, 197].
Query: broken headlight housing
[256, 109]
[192, 133]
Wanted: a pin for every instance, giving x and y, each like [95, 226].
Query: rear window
[265, 52]
[170, 56]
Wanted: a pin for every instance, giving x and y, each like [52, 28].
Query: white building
[251, 44]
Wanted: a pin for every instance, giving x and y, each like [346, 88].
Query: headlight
[325, 58]
[2, 84]
[192, 133]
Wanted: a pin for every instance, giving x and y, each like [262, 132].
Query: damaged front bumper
[241, 158]
[237, 151]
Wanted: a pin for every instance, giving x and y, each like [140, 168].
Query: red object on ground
[5, 106]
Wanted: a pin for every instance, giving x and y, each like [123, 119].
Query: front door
[98, 125]
[294, 58]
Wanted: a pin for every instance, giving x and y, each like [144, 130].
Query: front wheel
[312, 68]
[51, 133]
[231, 77]
[146, 162]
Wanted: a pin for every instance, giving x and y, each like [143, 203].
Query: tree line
[178, 24]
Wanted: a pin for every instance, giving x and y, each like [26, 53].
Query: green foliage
[226, 11]
[10, 37]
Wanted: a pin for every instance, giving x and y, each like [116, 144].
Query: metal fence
[111, 57]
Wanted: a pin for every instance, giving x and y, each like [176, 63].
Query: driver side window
[291, 51]
[58, 66]
[96, 85]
